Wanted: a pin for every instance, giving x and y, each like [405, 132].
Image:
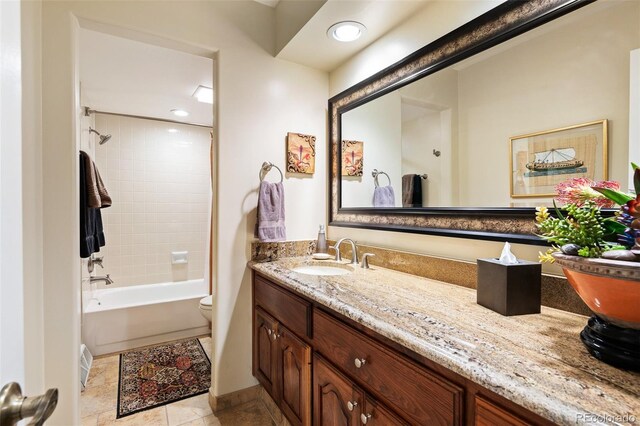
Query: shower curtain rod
[88, 112]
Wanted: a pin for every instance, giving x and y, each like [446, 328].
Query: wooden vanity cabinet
[357, 380]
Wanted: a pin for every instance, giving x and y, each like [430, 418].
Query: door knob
[15, 407]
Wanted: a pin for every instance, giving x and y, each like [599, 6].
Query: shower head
[103, 138]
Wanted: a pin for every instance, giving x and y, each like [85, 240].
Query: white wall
[160, 186]
[32, 194]
[377, 125]
[12, 349]
[260, 99]
[438, 93]
[420, 137]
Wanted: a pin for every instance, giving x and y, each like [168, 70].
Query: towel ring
[266, 168]
[375, 173]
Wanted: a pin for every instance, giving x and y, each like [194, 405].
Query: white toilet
[205, 307]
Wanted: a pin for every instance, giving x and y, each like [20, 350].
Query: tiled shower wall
[158, 175]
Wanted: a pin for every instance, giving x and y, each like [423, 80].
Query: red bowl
[610, 288]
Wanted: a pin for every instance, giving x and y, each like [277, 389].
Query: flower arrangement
[578, 228]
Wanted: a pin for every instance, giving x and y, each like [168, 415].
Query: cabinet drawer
[288, 309]
[490, 414]
[419, 395]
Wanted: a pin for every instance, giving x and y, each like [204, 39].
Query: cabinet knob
[364, 418]
[269, 331]
[359, 362]
[351, 405]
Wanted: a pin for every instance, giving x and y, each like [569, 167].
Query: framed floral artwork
[352, 158]
[301, 153]
[542, 160]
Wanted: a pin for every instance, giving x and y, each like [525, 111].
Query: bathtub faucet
[106, 279]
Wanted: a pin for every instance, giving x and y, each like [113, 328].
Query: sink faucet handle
[365, 260]
[337, 250]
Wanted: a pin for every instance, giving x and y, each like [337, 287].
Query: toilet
[205, 307]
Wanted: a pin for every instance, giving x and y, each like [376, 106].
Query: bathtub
[121, 318]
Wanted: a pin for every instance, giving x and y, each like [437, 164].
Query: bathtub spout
[106, 279]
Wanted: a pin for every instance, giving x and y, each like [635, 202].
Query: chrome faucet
[354, 250]
[106, 279]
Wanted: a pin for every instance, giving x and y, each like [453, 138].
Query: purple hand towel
[270, 225]
[383, 196]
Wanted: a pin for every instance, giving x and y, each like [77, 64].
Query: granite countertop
[536, 361]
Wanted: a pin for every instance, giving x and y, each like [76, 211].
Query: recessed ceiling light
[204, 94]
[346, 31]
[172, 130]
[180, 112]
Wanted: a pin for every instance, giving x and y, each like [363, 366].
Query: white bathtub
[117, 319]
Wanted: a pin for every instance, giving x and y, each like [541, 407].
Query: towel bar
[266, 168]
[375, 173]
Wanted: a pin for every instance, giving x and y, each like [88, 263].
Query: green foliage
[617, 197]
[613, 227]
[583, 226]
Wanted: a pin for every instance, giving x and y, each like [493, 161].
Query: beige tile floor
[98, 404]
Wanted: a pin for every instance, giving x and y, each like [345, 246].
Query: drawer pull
[364, 418]
[351, 405]
[359, 362]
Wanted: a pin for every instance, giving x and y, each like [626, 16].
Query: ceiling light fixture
[172, 130]
[346, 31]
[180, 112]
[204, 94]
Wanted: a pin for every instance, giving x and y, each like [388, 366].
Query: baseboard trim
[233, 399]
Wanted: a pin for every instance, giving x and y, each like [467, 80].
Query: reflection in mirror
[444, 140]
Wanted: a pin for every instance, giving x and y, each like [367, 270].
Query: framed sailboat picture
[540, 161]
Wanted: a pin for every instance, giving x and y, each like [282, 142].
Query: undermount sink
[321, 270]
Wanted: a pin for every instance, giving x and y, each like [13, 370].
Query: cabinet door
[490, 414]
[264, 353]
[377, 414]
[336, 402]
[294, 377]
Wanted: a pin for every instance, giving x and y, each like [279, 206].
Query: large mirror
[492, 133]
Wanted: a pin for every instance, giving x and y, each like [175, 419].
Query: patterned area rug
[158, 375]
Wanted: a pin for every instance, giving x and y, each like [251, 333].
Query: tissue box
[509, 289]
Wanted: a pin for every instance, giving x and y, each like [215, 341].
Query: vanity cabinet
[359, 377]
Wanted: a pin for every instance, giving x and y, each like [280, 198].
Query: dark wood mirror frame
[502, 23]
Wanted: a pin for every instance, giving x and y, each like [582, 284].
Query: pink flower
[578, 190]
